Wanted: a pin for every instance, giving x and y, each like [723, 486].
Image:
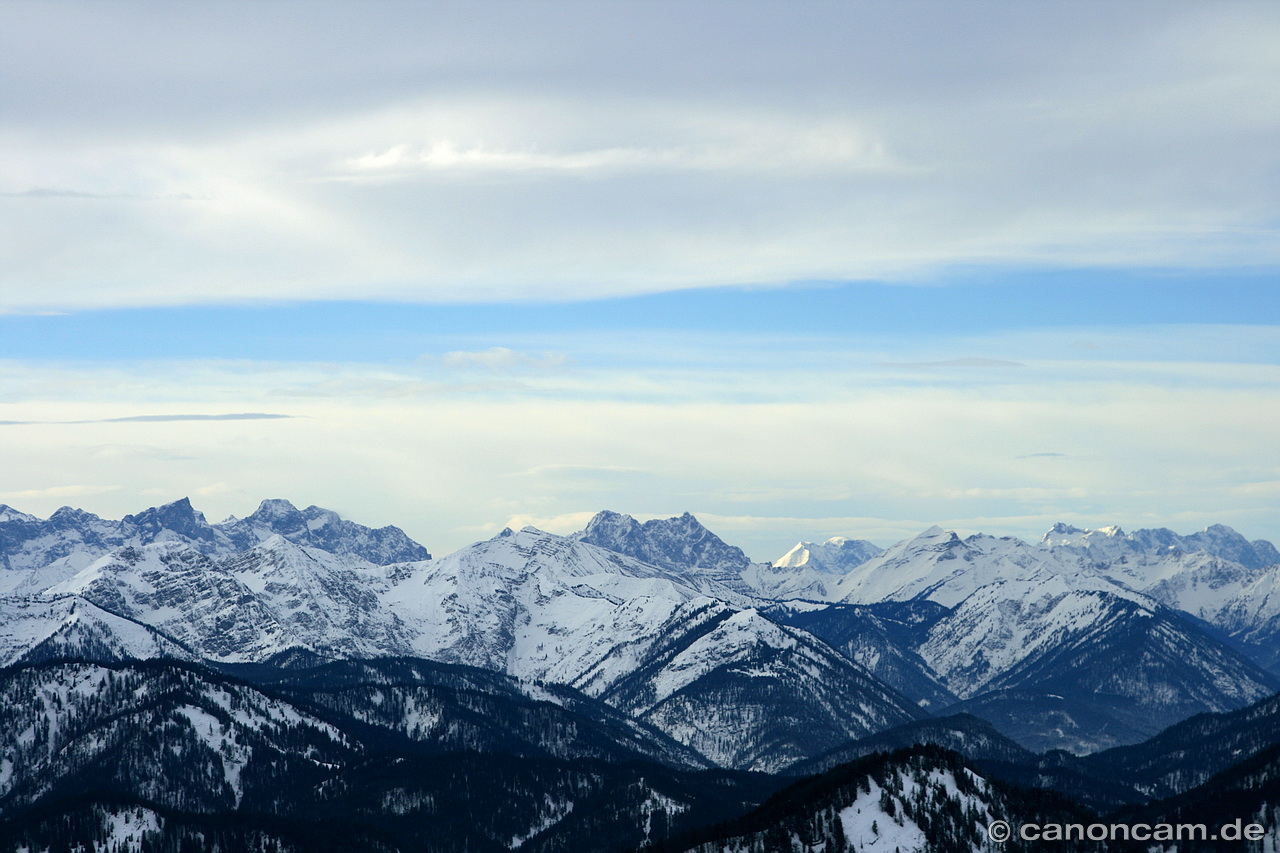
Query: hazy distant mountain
[680, 544]
[836, 556]
[70, 539]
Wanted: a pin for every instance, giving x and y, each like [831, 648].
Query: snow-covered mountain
[680, 544]
[323, 529]
[42, 552]
[1107, 544]
[384, 756]
[882, 638]
[836, 556]
[810, 570]
[34, 629]
[1030, 624]
[940, 566]
[609, 666]
[535, 604]
[683, 544]
[743, 690]
[274, 597]
[66, 728]
[665, 620]
[920, 800]
[528, 603]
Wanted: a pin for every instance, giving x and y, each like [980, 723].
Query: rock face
[323, 529]
[679, 543]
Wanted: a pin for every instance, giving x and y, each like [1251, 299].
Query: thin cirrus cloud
[436, 156]
[503, 360]
[138, 419]
[956, 362]
[731, 143]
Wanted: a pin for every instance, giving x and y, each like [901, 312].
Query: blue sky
[980, 301]
[847, 269]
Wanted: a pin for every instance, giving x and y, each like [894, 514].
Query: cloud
[564, 523]
[502, 360]
[711, 144]
[1047, 455]
[240, 416]
[588, 470]
[726, 426]
[46, 192]
[386, 388]
[59, 492]
[956, 362]
[429, 155]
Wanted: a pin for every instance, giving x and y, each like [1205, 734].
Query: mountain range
[183, 670]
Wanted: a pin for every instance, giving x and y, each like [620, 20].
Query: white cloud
[443, 469]
[461, 160]
[58, 492]
[503, 359]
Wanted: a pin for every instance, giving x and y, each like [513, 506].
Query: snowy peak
[679, 543]
[180, 518]
[1067, 535]
[1217, 540]
[33, 630]
[322, 528]
[8, 515]
[270, 599]
[836, 556]
[78, 537]
[940, 566]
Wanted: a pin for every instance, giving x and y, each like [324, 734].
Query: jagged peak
[799, 555]
[181, 508]
[608, 519]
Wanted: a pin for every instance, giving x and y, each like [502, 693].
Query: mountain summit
[678, 543]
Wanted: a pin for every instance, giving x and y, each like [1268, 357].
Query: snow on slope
[1215, 575]
[533, 604]
[63, 720]
[70, 539]
[903, 803]
[742, 690]
[272, 598]
[942, 567]
[69, 627]
[836, 556]
[1007, 622]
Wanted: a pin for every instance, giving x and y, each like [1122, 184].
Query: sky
[804, 270]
